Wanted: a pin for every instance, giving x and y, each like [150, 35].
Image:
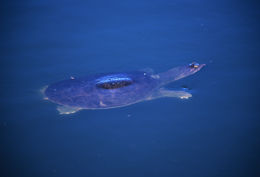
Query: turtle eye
[194, 65]
[114, 81]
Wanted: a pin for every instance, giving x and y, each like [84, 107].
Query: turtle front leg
[170, 93]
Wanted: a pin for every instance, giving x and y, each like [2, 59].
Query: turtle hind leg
[171, 93]
[67, 109]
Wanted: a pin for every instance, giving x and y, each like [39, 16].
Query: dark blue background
[215, 133]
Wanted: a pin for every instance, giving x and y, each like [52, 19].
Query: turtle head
[180, 72]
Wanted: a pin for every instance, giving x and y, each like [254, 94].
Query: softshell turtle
[104, 91]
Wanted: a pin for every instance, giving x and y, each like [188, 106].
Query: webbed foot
[170, 93]
[175, 93]
[67, 109]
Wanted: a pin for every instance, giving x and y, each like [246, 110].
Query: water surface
[215, 133]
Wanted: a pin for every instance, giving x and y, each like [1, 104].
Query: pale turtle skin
[112, 90]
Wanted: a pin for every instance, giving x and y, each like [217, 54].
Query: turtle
[112, 90]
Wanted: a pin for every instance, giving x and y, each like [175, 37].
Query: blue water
[215, 133]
